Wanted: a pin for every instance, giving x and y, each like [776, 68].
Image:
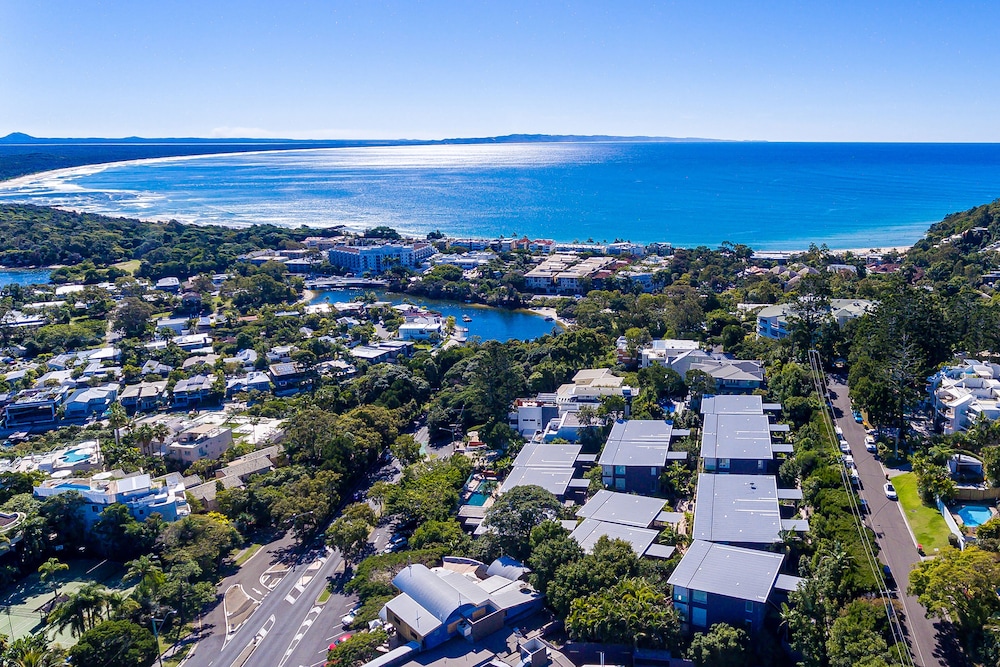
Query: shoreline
[549, 312]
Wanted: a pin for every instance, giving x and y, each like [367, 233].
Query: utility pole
[156, 632]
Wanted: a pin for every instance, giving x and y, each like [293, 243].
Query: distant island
[22, 154]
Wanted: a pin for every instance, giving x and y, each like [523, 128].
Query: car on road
[863, 506]
[857, 417]
[393, 547]
[348, 619]
[871, 445]
[890, 491]
[845, 446]
[839, 431]
[339, 640]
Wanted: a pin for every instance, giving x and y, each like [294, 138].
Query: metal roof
[415, 616]
[744, 574]
[623, 508]
[590, 531]
[554, 480]
[732, 405]
[739, 436]
[737, 508]
[547, 456]
[638, 442]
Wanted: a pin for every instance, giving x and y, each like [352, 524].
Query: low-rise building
[437, 604]
[143, 495]
[773, 321]
[556, 468]
[194, 391]
[964, 393]
[84, 403]
[144, 397]
[204, 441]
[290, 378]
[636, 453]
[378, 258]
[717, 583]
[632, 518]
[743, 510]
[35, 407]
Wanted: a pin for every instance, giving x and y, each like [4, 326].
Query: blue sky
[792, 71]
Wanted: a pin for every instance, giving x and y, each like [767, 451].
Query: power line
[819, 382]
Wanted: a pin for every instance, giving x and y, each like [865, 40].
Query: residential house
[555, 468]
[529, 416]
[743, 510]
[964, 393]
[142, 495]
[90, 401]
[204, 441]
[35, 407]
[740, 443]
[194, 391]
[636, 453]
[144, 397]
[773, 321]
[253, 381]
[290, 378]
[632, 518]
[718, 583]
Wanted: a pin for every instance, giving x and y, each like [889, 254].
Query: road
[287, 628]
[931, 641]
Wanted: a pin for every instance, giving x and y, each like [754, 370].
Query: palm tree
[160, 433]
[144, 437]
[145, 569]
[48, 570]
[117, 417]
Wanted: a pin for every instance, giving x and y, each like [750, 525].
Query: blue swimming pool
[476, 498]
[76, 455]
[973, 515]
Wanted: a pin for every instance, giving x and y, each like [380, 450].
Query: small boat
[466, 318]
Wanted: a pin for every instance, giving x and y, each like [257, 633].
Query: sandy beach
[550, 312]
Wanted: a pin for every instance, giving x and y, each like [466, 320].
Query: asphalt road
[931, 641]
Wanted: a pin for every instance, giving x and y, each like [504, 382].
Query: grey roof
[732, 405]
[507, 567]
[737, 508]
[413, 614]
[429, 591]
[591, 530]
[787, 582]
[554, 480]
[660, 551]
[744, 574]
[638, 442]
[727, 436]
[789, 494]
[623, 508]
[547, 456]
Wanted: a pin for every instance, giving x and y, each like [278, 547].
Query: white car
[347, 620]
[848, 461]
[890, 491]
[845, 446]
[839, 431]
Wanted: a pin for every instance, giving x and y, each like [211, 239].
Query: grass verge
[926, 522]
[324, 596]
[248, 553]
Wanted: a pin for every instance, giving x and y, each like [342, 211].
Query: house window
[760, 464]
[699, 596]
[619, 470]
[620, 484]
[749, 606]
[653, 472]
[699, 617]
[723, 464]
[680, 594]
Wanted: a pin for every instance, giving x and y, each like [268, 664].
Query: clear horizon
[844, 72]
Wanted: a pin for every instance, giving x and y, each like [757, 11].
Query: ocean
[773, 196]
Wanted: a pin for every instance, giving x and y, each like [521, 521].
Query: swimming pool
[76, 455]
[973, 515]
[477, 499]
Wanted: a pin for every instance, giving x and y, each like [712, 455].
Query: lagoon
[487, 323]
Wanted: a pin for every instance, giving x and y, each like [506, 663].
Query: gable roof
[638, 442]
[744, 574]
[736, 436]
[737, 508]
[622, 508]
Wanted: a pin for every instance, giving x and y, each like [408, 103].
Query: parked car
[393, 547]
[890, 491]
[399, 539]
[339, 640]
[863, 506]
[871, 446]
[845, 446]
[348, 619]
[857, 417]
[839, 431]
[848, 461]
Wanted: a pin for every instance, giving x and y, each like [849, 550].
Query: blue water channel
[486, 323]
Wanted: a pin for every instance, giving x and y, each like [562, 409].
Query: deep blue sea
[767, 195]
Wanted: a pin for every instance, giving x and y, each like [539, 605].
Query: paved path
[932, 642]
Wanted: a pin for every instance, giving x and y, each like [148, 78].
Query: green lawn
[247, 553]
[131, 266]
[925, 522]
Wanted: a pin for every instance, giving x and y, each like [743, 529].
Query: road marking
[257, 591]
[300, 633]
